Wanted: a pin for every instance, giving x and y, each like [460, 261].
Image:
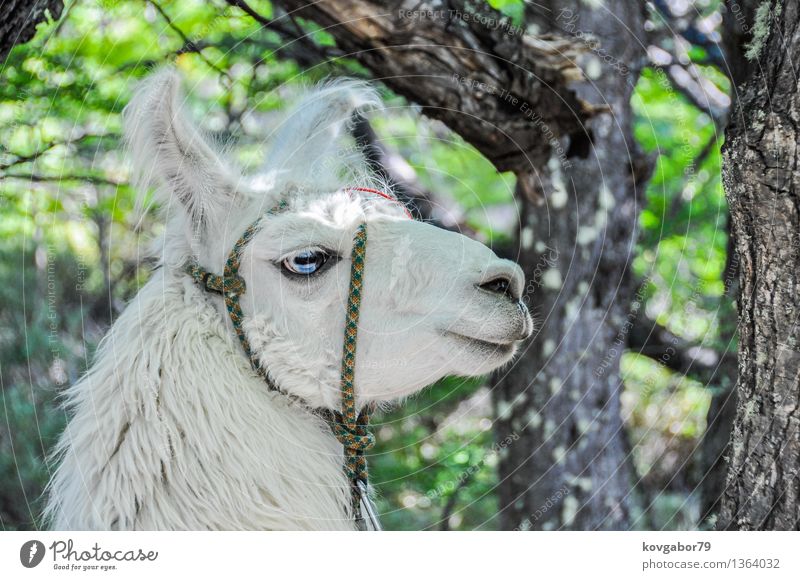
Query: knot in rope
[355, 439]
[221, 284]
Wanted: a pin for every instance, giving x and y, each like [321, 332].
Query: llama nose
[505, 278]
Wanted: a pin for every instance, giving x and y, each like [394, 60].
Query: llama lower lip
[497, 347]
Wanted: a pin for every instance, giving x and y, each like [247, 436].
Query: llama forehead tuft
[326, 219]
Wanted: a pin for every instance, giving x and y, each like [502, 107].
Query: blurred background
[72, 248]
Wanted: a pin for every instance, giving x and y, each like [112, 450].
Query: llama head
[434, 302]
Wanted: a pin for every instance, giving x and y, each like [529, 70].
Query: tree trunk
[571, 467]
[513, 97]
[714, 449]
[762, 184]
[18, 20]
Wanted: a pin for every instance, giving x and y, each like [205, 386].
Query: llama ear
[169, 153]
[309, 135]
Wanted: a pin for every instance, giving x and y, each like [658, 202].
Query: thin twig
[20, 159]
[444, 521]
[297, 36]
[691, 34]
[717, 112]
[54, 178]
[188, 44]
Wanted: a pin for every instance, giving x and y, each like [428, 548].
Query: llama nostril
[499, 285]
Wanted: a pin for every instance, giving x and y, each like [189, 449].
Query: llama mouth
[501, 348]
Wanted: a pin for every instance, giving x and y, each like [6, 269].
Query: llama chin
[171, 427]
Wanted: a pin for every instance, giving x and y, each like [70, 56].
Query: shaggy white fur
[170, 428]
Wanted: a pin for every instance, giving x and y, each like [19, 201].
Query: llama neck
[172, 430]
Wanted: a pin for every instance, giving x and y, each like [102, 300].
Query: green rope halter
[349, 428]
[232, 286]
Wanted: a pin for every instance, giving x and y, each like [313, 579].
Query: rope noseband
[349, 428]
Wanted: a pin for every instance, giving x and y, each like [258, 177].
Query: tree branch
[188, 44]
[447, 511]
[461, 71]
[95, 179]
[687, 78]
[656, 342]
[383, 160]
[20, 159]
[700, 92]
[299, 46]
[690, 33]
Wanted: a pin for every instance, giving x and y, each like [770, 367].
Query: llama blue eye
[306, 262]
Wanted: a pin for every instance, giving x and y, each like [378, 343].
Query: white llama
[171, 428]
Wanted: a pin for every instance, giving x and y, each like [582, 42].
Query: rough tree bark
[762, 185]
[571, 468]
[18, 20]
[514, 97]
[714, 448]
[461, 71]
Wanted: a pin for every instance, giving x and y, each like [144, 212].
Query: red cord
[384, 195]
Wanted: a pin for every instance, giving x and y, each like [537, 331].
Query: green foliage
[39, 350]
[684, 222]
[665, 410]
[682, 258]
[514, 9]
[73, 247]
[439, 444]
[453, 169]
